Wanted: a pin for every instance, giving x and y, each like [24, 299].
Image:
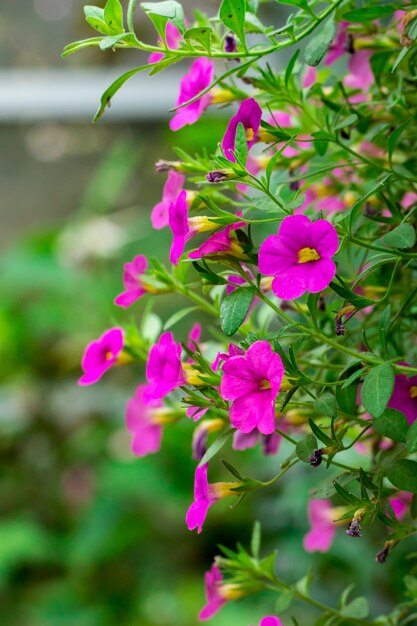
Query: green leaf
[346, 395]
[347, 496]
[95, 17]
[320, 434]
[318, 46]
[232, 14]
[161, 12]
[200, 34]
[357, 609]
[80, 45]
[357, 207]
[326, 488]
[284, 601]
[113, 89]
[255, 543]
[404, 236]
[291, 66]
[241, 144]
[113, 14]
[321, 142]
[368, 14]
[178, 316]
[234, 309]
[403, 474]
[394, 138]
[384, 323]
[216, 446]
[300, 4]
[411, 438]
[110, 42]
[348, 121]
[392, 424]
[326, 404]
[377, 389]
[305, 448]
[312, 304]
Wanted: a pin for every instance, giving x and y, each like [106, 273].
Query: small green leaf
[404, 236]
[162, 12]
[200, 34]
[348, 121]
[403, 474]
[318, 46]
[392, 424]
[305, 448]
[234, 309]
[241, 144]
[95, 17]
[411, 438]
[326, 404]
[232, 14]
[347, 496]
[291, 66]
[80, 45]
[284, 601]
[357, 609]
[377, 389]
[320, 434]
[216, 446]
[113, 89]
[113, 14]
[110, 42]
[368, 14]
[255, 543]
[178, 316]
[384, 323]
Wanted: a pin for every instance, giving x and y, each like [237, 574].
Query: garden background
[89, 535]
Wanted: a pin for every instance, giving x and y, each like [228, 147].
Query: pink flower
[249, 114]
[243, 441]
[194, 336]
[404, 396]
[198, 79]
[164, 368]
[320, 536]
[172, 188]
[173, 38]
[299, 256]
[213, 583]
[409, 199]
[339, 47]
[220, 241]
[270, 620]
[361, 76]
[183, 227]
[252, 383]
[201, 433]
[101, 355]
[401, 503]
[142, 424]
[204, 497]
[310, 77]
[134, 287]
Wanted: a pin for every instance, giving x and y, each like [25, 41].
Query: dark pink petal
[324, 238]
[100, 355]
[238, 379]
[291, 285]
[127, 298]
[320, 275]
[274, 258]
[321, 535]
[270, 620]
[178, 222]
[164, 369]
[212, 580]
[255, 410]
[249, 114]
[198, 78]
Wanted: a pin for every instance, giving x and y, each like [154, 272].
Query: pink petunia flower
[164, 368]
[219, 242]
[183, 227]
[361, 76]
[249, 114]
[213, 580]
[143, 424]
[299, 256]
[320, 537]
[172, 188]
[401, 503]
[198, 78]
[204, 496]
[252, 382]
[101, 355]
[404, 396]
[134, 286]
[409, 199]
[339, 46]
[173, 38]
[270, 620]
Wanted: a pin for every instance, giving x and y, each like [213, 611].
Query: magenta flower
[134, 287]
[299, 256]
[198, 78]
[404, 396]
[221, 241]
[321, 534]
[173, 38]
[361, 76]
[183, 227]
[204, 497]
[164, 368]
[252, 383]
[249, 114]
[270, 620]
[142, 423]
[172, 188]
[213, 580]
[101, 355]
[401, 503]
[339, 46]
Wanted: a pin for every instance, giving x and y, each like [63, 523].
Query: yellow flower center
[413, 391]
[219, 95]
[265, 384]
[308, 254]
[109, 355]
[250, 134]
[200, 223]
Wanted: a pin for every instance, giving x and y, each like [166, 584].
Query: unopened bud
[230, 44]
[165, 166]
[316, 458]
[219, 176]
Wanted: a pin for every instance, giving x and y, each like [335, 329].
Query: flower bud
[219, 176]
[230, 44]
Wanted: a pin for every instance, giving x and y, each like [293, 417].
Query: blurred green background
[89, 535]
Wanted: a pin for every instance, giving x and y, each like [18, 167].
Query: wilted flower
[100, 355]
[252, 383]
[198, 79]
[299, 256]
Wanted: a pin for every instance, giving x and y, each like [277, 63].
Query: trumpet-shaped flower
[134, 286]
[172, 188]
[204, 496]
[198, 79]
[184, 227]
[213, 580]
[404, 396]
[164, 368]
[143, 424]
[299, 256]
[252, 382]
[249, 114]
[321, 534]
[220, 242]
[100, 355]
[360, 75]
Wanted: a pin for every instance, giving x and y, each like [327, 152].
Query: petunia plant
[297, 237]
